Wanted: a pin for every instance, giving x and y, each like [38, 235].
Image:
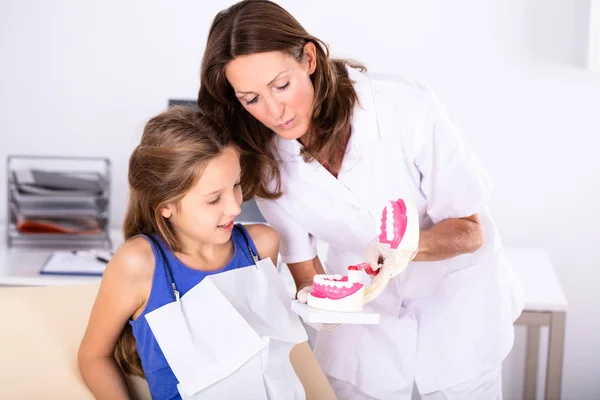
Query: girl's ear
[167, 211]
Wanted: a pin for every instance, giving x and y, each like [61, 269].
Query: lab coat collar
[287, 150]
[364, 121]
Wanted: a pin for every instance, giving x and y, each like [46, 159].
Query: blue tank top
[161, 380]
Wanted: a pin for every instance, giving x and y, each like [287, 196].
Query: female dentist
[326, 145]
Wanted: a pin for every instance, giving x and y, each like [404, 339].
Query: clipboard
[83, 263]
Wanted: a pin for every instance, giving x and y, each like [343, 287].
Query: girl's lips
[227, 226]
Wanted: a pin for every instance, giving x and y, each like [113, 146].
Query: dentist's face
[276, 89]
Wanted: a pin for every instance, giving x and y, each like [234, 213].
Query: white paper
[247, 380]
[203, 338]
[75, 263]
[261, 297]
[232, 332]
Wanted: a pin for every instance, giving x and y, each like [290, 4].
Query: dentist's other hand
[382, 259]
[302, 294]
[302, 297]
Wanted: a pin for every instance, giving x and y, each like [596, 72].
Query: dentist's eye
[253, 101]
[287, 85]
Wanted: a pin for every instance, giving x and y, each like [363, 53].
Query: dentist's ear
[310, 57]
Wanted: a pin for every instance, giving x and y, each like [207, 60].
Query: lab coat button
[355, 207]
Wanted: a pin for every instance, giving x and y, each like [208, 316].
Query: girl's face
[276, 89]
[206, 213]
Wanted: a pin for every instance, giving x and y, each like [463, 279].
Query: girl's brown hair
[175, 147]
[258, 26]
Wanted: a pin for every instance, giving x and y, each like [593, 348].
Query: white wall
[82, 77]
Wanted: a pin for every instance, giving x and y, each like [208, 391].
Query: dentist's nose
[276, 108]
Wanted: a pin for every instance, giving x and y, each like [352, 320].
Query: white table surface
[21, 267]
[540, 284]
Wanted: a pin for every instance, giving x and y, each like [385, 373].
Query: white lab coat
[443, 323]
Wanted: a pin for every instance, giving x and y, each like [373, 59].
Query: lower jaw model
[399, 230]
[338, 293]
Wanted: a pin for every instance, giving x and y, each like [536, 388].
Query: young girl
[185, 194]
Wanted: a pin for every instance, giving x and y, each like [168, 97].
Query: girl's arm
[123, 291]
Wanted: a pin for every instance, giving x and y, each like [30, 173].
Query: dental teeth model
[397, 243]
[338, 293]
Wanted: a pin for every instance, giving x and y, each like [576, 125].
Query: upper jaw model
[397, 241]
[398, 235]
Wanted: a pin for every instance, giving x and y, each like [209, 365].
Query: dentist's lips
[287, 125]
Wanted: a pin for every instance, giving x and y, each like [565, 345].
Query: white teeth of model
[389, 226]
[334, 284]
[332, 281]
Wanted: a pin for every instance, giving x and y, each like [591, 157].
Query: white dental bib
[230, 334]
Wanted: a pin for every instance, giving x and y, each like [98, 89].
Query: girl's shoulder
[134, 260]
[265, 238]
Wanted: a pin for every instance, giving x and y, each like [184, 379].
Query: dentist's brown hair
[258, 26]
[175, 147]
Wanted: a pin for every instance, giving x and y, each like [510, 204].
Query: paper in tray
[90, 263]
[316, 316]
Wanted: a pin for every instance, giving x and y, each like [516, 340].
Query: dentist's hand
[384, 260]
[302, 297]
[302, 294]
[397, 242]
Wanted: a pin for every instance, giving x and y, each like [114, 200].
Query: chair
[40, 332]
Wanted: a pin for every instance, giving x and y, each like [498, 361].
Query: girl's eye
[287, 85]
[237, 185]
[215, 201]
